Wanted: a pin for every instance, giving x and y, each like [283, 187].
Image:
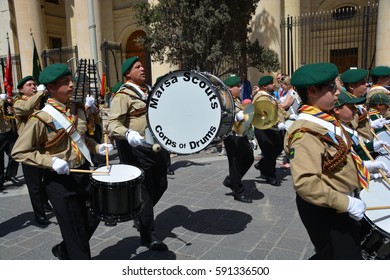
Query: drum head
[185, 111]
[378, 194]
[384, 136]
[118, 173]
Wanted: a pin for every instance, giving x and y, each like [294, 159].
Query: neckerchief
[363, 174]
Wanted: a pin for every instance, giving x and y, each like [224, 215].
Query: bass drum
[187, 110]
[376, 223]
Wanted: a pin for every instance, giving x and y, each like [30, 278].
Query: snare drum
[376, 223]
[384, 136]
[116, 197]
[188, 109]
[288, 123]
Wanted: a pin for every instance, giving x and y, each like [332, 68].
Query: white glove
[375, 176]
[378, 145]
[379, 123]
[373, 166]
[89, 101]
[356, 208]
[41, 87]
[281, 126]
[293, 117]
[133, 138]
[239, 116]
[102, 148]
[3, 96]
[60, 166]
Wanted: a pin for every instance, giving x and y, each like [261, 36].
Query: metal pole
[92, 29]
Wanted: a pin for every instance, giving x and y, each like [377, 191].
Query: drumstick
[377, 208]
[372, 159]
[89, 171]
[107, 157]
[377, 138]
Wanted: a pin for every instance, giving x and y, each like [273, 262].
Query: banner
[8, 83]
[36, 64]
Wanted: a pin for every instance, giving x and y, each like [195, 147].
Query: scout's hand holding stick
[372, 159]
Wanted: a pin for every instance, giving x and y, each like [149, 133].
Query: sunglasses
[332, 86]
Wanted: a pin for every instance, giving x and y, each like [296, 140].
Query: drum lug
[110, 222]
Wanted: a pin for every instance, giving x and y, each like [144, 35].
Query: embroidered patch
[297, 135]
[291, 153]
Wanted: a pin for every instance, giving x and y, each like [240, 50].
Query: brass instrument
[265, 112]
[242, 126]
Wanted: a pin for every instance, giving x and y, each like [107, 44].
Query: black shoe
[59, 252]
[273, 181]
[47, 207]
[42, 221]
[242, 198]
[157, 245]
[170, 171]
[227, 183]
[14, 180]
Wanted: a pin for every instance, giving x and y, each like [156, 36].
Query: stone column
[28, 16]
[292, 8]
[382, 56]
[80, 28]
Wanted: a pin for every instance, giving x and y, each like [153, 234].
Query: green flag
[36, 64]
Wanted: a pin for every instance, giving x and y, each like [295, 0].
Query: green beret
[379, 98]
[347, 98]
[128, 64]
[354, 75]
[24, 80]
[53, 72]
[314, 74]
[116, 87]
[265, 80]
[381, 71]
[232, 80]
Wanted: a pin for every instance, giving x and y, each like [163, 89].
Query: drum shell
[115, 202]
[376, 223]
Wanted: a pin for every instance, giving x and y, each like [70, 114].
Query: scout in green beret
[128, 64]
[54, 72]
[381, 71]
[265, 80]
[355, 81]
[239, 153]
[380, 76]
[232, 80]
[49, 146]
[379, 111]
[324, 172]
[25, 80]
[344, 112]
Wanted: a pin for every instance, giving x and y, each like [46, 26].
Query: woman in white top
[289, 98]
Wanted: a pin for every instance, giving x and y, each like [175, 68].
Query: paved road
[195, 218]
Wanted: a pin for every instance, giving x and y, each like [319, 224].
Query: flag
[103, 86]
[8, 83]
[36, 64]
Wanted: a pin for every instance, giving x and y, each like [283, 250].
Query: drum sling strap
[139, 96]
[68, 127]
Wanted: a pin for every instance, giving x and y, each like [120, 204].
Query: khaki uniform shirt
[30, 146]
[363, 127]
[314, 184]
[127, 111]
[24, 107]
